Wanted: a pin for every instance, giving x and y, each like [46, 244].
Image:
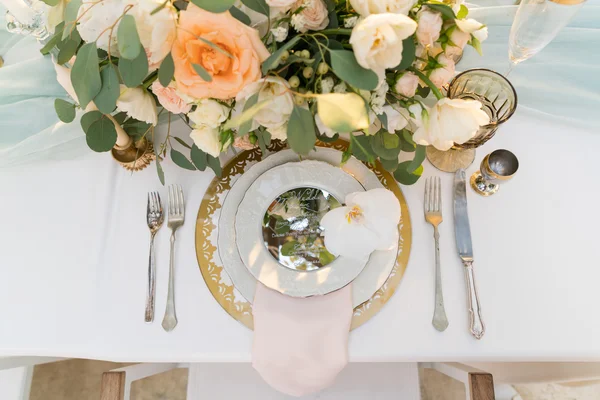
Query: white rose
[377, 41]
[468, 25]
[430, 25]
[324, 130]
[368, 7]
[313, 15]
[209, 112]
[207, 140]
[481, 34]
[279, 132]
[459, 38]
[275, 90]
[407, 84]
[138, 104]
[451, 121]
[443, 75]
[395, 120]
[157, 32]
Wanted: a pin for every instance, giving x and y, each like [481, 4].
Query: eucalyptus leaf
[202, 72]
[70, 16]
[128, 40]
[361, 148]
[418, 159]
[89, 118]
[343, 112]
[199, 158]
[260, 6]
[101, 135]
[184, 144]
[166, 71]
[273, 60]
[215, 165]
[120, 117]
[85, 74]
[345, 66]
[68, 48]
[240, 15]
[106, 99]
[406, 142]
[214, 6]
[378, 145]
[264, 140]
[245, 127]
[246, 115]
[389, 165]
[408, 53]
[215, 47]
[407, 178]
[64, 110]
[301, 131]
[54, 40]
[383, 119]
[160, 172]
[134, 71]
[445, 10]
[181, 160]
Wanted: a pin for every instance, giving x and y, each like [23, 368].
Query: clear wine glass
[536, 24]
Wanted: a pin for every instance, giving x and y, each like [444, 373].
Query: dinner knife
[465, 251]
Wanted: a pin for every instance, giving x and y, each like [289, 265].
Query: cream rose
[138, 104]
[407, 84]
[209, 112]
[207, 140]
[430, 26]
[395, 120]
[377, 41]
[279, 132]
[313, 15]
[368, 7]
[282, 4]
[276, 91]
[451, 121]
[169, 98]
[443, 75]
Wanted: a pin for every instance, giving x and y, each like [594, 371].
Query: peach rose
[229, 74]
[170, 99]
[243, 143]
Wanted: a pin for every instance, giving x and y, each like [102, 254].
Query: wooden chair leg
[481, 386]
[113, 386]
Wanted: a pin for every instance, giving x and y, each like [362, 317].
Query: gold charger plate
[218, 282]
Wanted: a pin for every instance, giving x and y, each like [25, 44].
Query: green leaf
[389, 165]
[184, 144]
[345, 66]
[418, 159]
[214, 164]
[378, 144]
[246, 115]
[390, 140]
[408, 53]
[325, 257]
[288, 248]
[166, 71]
[68, 48]
[199, 158]
[51, 3]
[64, 110]
[240, 15]
[101, 135]
[264, 140]
[345, 156]
[134, 71]
[214, 6]
[54, 40]
[70, 15]
[181, 160]
[445, 10]
[260, 6]
[245, 127]
[476, 44]
[160, 172]
[85, 74]
[361, 148]
[301, 131]
[343, 112]
[462, 12]
[106, 100]
[273, 60]
[120, 117]
[202, 72]
[407, 178]
[89, 118]
[128, 40]
[383, 119]
[406, 141]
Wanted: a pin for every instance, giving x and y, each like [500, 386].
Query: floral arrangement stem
[428, 82]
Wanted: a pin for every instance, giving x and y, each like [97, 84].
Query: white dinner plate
[372, 277]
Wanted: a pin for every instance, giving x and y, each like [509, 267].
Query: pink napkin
[300, 345]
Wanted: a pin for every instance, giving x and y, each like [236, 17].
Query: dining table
[74, 246]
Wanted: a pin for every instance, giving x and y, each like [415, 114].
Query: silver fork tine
[435, 194]
[426, 201]
[159, 202]
[171, 205]
[181, 202]
[439, 182]
[153, 197]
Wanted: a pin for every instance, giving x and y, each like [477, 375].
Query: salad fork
[154, 218]
[433, 215]
[176, 218]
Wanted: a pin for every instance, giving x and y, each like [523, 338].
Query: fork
[176, 218]
[155, 218]
[433, 215]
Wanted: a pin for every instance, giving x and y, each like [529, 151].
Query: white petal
[348, 239]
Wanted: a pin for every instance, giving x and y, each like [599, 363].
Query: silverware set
[155, 219]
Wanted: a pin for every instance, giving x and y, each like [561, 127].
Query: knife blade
[464, 245]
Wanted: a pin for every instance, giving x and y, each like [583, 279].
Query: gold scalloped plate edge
[224, 292]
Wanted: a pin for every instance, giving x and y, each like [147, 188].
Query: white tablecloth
[74, 247]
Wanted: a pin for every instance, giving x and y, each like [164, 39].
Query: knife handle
[476, 321]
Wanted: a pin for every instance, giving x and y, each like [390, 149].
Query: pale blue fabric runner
[561, 81]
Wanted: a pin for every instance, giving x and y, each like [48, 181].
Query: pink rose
[170, 99]
[243, 143]
[312, 17]
[443, 75]
[429, 26]
[407, 84]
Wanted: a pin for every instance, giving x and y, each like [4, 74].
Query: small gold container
[135, 157]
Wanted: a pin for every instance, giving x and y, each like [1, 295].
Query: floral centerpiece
[243, 73]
